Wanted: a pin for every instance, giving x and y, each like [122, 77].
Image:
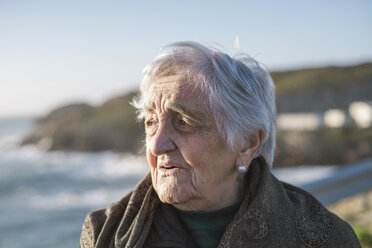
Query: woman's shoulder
[96, 220]
[315, 224]
[275, 212]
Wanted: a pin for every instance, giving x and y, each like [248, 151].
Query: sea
[45, 196]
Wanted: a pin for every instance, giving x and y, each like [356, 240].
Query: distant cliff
[319, 89]
[81, 127]
[113, 126]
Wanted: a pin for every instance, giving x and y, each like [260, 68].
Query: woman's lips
[169, 167]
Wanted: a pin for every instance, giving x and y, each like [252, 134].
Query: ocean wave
[61, 180]
[12, 131]
[24, 161]
[82, 164]
[97, 198]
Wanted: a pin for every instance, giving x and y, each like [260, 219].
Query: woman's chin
[172, 193]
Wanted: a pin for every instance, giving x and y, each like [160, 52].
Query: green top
[207, 227]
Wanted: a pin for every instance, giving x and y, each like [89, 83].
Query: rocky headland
[81, 127]
[113, 126]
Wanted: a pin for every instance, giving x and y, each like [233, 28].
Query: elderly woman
[210, 139]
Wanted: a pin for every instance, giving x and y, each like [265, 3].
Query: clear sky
[57, 52]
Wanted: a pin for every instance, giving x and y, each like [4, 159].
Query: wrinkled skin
[192, 167]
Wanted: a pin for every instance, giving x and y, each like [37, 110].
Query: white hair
[239, 90]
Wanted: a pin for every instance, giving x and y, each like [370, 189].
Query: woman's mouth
[169, 168]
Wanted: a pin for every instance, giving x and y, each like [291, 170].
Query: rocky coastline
[113, 125]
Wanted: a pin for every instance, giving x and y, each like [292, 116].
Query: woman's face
[192, 167]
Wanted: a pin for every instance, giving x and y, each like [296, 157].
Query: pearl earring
[242, 168]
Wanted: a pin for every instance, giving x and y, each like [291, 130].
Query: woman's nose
[161, 142]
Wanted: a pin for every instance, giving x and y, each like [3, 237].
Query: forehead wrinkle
[163, 101]
[157, 98]
[179, 108]
[175, 98]
[174, 106]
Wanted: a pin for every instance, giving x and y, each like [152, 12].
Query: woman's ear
[251, 148]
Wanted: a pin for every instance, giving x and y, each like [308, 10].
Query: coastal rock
[113, 126]
[81, 127]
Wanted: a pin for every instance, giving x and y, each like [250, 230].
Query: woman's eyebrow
[179, 108]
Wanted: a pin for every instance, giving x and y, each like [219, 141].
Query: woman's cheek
[151, 159]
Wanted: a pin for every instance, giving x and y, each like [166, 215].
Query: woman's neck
[225, 195]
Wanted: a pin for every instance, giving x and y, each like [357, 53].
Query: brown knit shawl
[273, 214]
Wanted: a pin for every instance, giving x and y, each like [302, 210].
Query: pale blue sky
[56, 52]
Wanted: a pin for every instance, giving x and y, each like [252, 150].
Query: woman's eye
[183, 125]
[150, 126]
[182, 122]
[149, 123]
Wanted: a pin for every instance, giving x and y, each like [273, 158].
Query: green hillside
[113, 126]
[80, 127]
[289, 82]
[319, 89]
